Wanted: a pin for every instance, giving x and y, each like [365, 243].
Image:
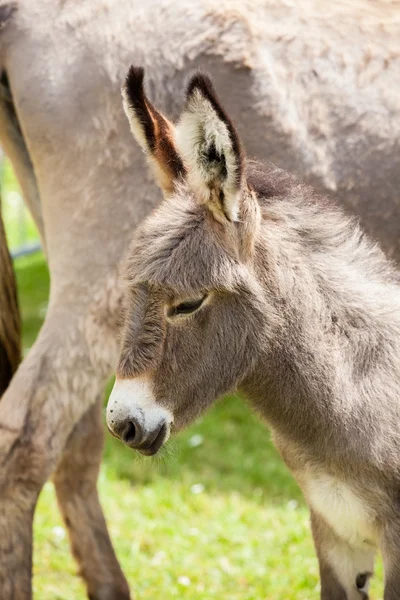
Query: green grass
[218, 517]
[19, 230]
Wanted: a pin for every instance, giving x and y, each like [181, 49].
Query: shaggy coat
[246, 279]
[316, 90]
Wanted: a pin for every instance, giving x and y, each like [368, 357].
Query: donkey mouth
[151, 447]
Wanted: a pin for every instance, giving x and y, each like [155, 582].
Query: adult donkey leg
[51, 391]
[26, 460]
[75, 481]
[344, 571]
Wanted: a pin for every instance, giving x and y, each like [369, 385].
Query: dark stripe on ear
[137, 100]
[202, 82]
[156, 128]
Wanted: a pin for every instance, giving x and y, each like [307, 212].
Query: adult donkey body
[246, 279]
[63, 127]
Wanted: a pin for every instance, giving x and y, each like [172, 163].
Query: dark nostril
[129, 433]
[132, 433]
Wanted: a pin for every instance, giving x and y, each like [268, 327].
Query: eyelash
[186, 308]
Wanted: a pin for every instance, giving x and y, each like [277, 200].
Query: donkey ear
[211, 150]
[153, 132]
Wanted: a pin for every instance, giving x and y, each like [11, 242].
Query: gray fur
[316, 91]
[303, 317]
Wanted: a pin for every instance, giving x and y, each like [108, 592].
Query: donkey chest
[341, 508]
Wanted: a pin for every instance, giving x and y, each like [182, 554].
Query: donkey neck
[335, 293]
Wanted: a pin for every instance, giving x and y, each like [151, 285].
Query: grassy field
[19, 230]
[218, 518]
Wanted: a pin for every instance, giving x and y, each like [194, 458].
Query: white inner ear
[135, 125]
[199, 129]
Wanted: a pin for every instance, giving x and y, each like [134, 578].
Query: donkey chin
[134, 417]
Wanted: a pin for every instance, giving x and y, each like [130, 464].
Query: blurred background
[216, 516]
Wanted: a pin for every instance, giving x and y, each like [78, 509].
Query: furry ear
[153, 132]
[211, 149]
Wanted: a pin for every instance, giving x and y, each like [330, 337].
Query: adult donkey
[315, 90]
[245, 278]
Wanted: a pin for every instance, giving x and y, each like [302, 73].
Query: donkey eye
[186, 308]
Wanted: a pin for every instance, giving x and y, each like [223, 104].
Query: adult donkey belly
[318, 94]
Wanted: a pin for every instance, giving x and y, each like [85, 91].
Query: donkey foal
[245, 278]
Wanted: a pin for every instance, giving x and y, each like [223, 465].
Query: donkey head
[193, 321]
